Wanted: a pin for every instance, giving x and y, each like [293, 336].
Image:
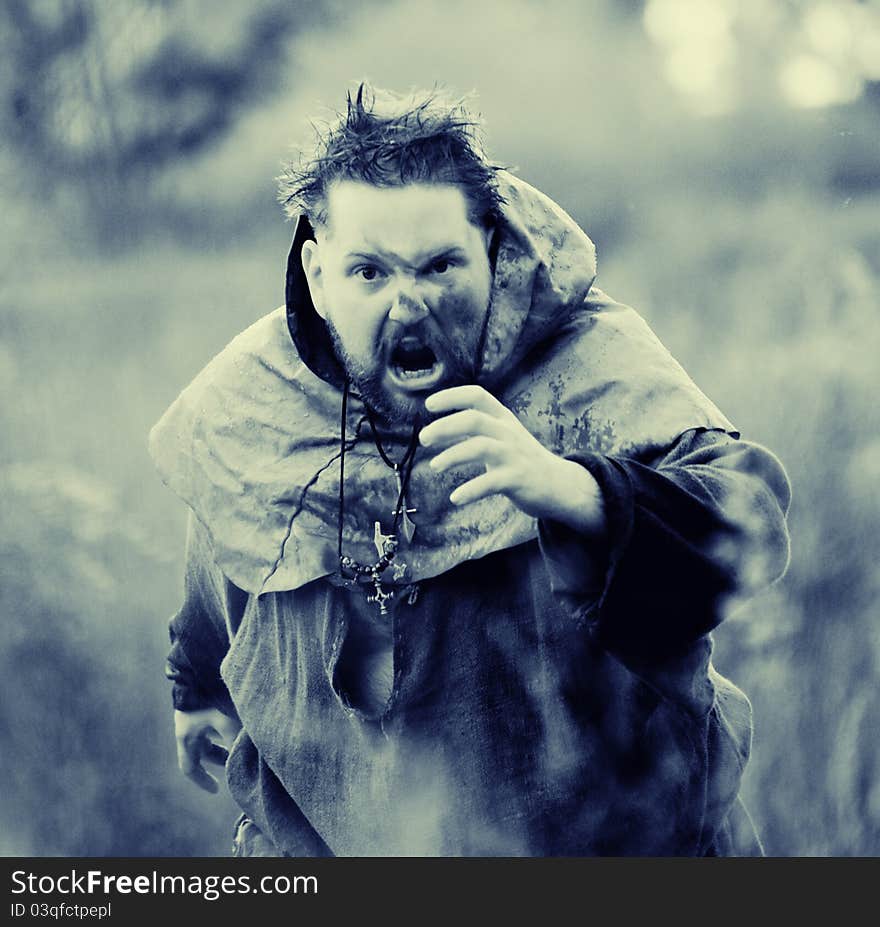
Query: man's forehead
[422, 216]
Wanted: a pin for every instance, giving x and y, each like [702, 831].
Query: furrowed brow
[419, 260]
[450, 252]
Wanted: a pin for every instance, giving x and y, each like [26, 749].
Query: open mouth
[414, 365]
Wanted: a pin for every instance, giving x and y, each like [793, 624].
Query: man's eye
[367, 272]
[440, 266]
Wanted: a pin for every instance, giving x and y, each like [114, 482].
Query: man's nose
[408, 307]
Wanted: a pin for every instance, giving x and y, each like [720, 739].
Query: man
[460, 531]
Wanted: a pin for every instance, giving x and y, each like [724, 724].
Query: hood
[252, 444]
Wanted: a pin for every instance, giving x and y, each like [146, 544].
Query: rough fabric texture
[252, 444]
[542, 704]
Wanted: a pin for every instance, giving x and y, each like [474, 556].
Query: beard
[368, 377]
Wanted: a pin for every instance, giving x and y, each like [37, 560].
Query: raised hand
[479, 429]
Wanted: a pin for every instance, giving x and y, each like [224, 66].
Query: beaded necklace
[386, 544]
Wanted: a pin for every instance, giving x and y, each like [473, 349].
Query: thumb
[227, 728]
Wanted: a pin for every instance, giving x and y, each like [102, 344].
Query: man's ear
[311, 265]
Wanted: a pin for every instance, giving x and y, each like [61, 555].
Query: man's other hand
[197, 733]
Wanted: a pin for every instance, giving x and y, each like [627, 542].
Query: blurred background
[723, 154]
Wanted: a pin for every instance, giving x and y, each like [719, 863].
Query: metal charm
[409, 526]
[380, 596]
[385, 543]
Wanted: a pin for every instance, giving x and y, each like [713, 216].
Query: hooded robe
[550, 693]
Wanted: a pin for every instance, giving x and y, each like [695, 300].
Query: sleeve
[684, 532]
[201, 630]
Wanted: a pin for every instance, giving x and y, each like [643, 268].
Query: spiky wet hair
[389, 140]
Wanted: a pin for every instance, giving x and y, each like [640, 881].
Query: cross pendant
[380, 597]
[409, 526]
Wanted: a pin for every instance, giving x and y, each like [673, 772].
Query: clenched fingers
[481, 450]
[197, 733]
[460, 425]
[191, 750]
[487, 484]
[466, 397]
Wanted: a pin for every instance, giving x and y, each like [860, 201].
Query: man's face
[402, 278]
